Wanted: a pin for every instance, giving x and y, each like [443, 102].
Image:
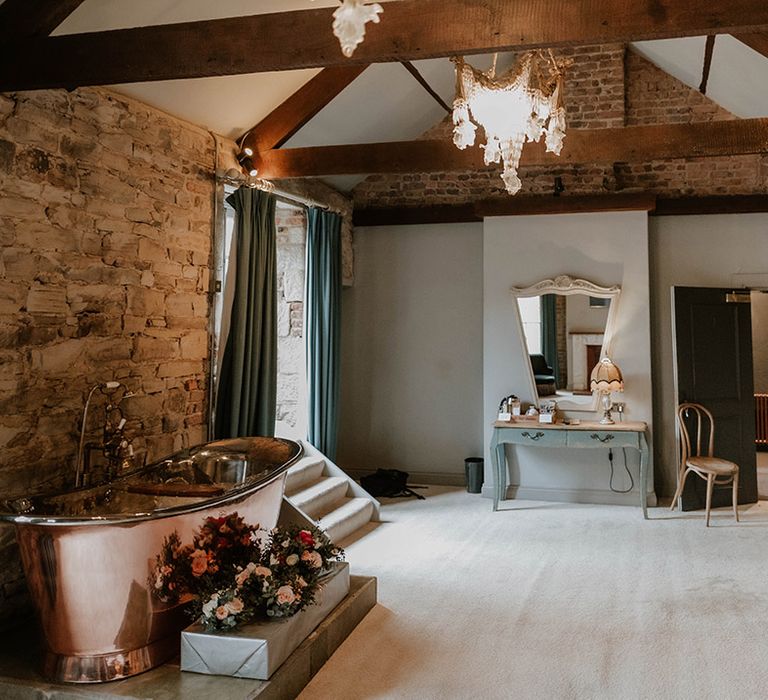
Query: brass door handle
[607, 438]
[537, 436]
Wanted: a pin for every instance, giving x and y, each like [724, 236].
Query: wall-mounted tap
[116, 446]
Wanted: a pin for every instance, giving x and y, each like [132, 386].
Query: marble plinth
[20, 654]
[258, 650]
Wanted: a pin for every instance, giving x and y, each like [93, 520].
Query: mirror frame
[566, 285]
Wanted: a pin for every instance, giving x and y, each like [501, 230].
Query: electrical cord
[629, 473]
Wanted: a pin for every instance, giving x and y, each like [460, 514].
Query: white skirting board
[257, 650]
[597, 496]
[419, 478]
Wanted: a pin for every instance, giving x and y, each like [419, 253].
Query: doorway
[759, 301]
[714, 367]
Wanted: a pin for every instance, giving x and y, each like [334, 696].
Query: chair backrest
[539, 365]
[695, 421]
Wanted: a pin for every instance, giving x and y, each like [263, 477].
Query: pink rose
[222, 612]
[242, 577]
[314, 559]
[235, 606]
[285, 594]
[199, 562]
[262, 571]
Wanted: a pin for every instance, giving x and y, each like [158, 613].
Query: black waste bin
[473, 470]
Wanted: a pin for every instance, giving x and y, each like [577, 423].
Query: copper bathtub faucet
[115, 446]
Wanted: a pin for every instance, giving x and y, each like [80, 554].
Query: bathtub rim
[235, 494]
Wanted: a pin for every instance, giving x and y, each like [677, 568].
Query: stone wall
[607, 86]
[291, 420]
[105, 226]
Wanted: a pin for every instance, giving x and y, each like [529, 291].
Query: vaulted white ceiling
[738, 76]
[385, 103]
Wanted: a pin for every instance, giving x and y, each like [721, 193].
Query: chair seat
[714, 465]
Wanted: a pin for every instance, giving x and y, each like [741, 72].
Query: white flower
[273, 560]
[292, 559]
[211, 605]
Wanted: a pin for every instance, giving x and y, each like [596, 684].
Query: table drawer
[602, 438]
[537, 436]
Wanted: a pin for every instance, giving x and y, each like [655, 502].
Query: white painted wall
[608, 249]
[694, 251]
[412, 333]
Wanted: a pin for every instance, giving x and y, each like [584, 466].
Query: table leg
[644, 475]
[495, 469]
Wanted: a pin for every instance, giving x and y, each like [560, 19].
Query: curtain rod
[267, 186]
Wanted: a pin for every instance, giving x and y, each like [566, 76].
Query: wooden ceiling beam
[286, 119]
[526, 206]
[502, 206]
[24, 19]
[409, 30]
[632, 144]
[758, 42]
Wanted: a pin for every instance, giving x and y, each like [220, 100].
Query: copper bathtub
[88, 553]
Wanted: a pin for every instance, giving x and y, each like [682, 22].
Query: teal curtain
[247, 388]
[549, 333]
[323, 317]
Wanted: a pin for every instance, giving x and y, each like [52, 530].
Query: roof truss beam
[23, 19]
[288, 117]
[409, 30]
[632, 144]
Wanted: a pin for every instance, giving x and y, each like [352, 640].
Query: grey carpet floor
[553, 600]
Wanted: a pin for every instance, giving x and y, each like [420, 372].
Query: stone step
[317, 497]
[345, 517]
[305, 471]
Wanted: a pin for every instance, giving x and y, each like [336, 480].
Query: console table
[586, 434]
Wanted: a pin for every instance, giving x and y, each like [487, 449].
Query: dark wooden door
[713, 336]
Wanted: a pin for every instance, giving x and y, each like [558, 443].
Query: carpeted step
[317, 497]
[348, 515]
[306, 471]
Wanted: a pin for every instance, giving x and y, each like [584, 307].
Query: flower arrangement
[237, 573]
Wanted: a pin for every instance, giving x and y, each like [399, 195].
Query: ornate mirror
[566, 326]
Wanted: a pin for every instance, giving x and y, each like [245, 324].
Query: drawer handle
[606, 438]
[537, 436]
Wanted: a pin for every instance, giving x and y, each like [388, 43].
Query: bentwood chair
[696, 421]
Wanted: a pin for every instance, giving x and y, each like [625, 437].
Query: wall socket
[619, 407]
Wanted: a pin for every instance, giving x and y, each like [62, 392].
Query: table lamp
[606, 378]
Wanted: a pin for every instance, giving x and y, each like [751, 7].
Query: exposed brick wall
[105, 226]
[607, 86]
[655, 97]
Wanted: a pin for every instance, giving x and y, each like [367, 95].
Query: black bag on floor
[390, 483]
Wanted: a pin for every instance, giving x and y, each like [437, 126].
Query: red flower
[305, 537]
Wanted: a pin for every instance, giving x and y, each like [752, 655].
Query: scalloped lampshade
[606, 377]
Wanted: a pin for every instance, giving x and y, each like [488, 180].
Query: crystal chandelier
[521, 105]
[349, 22]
